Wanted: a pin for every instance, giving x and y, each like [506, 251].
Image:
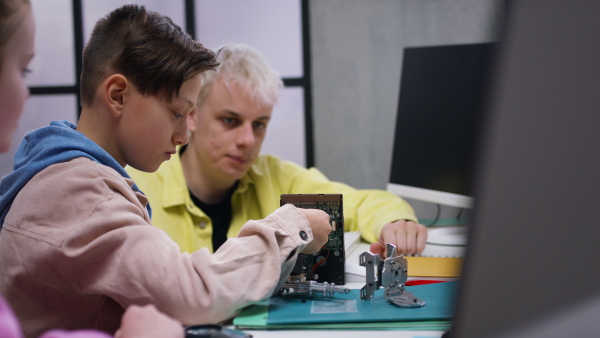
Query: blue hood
[41, 148]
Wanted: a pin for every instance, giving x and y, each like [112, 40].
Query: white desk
[355, 281]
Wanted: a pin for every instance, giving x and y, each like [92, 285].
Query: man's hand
[319, 223]
[147, 321]
[408, 237]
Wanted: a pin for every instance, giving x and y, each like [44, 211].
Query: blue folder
[349, 311]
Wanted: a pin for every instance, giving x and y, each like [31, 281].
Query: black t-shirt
[220, 214]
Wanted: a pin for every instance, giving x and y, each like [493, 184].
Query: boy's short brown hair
[147, 48]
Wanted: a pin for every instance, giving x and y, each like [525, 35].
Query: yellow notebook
[434, 266]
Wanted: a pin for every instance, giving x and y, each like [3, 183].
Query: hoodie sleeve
[142, 265]
[88, 243]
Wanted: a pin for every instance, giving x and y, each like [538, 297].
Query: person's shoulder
[77, 168]
[86, 181]
[79, 171]
[141, 177]
[67, 192]
[273, 163]
[167, 179]
[275, 171]
[138, 175]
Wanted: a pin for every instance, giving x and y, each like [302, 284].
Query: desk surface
[355, 281]
[344, 334]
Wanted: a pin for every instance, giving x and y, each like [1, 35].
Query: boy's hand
[319, 223]
[408, 237]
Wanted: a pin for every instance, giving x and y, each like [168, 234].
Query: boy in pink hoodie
[76, 245]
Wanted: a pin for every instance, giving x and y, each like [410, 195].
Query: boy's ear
[116, 89]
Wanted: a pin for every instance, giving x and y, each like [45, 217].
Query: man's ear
[116, 90]
[191, 119]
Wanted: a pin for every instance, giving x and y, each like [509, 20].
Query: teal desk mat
[349, 311]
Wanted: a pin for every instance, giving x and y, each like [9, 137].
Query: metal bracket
[312, 287]
[392, 274]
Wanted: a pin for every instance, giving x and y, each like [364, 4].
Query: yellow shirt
[257, 195]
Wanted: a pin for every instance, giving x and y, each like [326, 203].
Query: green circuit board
[327, 264]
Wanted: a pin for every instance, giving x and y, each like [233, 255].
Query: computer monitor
[531, 266]
[441, 91]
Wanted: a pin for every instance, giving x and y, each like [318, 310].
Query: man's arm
[380, 216]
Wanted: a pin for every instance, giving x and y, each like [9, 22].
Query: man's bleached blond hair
[248, 67]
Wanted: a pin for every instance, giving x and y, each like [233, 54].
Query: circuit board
[326, 265]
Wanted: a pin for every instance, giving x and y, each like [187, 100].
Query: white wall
[357, 55]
